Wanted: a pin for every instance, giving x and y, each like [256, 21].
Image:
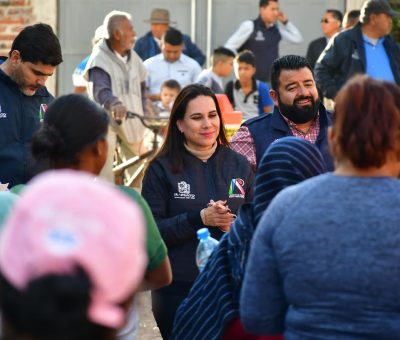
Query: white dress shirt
[185, 71]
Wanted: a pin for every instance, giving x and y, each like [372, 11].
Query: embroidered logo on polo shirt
[236, 189]
[256, 98]
[259, 36]
[184, 191]
[2, 114]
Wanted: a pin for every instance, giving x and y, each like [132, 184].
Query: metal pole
[209, 29]
[193, 20]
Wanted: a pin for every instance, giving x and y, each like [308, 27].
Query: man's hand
[282, 17]
[118, 112]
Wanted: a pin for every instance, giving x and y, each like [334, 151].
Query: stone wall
[16, 14]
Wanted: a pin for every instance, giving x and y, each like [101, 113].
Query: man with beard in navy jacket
[297, 112]
[33, 57]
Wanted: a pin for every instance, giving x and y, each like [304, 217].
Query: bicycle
[154, 123]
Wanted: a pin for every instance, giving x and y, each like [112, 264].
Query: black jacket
[176, 200]
[315, 49]
[345, 56]
[19, 119]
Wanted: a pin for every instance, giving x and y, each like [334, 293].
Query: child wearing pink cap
[72, 256]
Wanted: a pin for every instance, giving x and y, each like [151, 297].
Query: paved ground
[148, 329]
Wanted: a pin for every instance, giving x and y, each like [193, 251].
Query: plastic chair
[231, 118]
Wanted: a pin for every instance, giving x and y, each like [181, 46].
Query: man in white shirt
[171, 63]
[262, 36]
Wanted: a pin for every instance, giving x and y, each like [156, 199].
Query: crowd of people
[302, 199]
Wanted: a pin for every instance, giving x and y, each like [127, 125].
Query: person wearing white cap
[63, 274]
[150, 44]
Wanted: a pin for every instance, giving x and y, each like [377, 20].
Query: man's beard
[297, 114]
[19, 79]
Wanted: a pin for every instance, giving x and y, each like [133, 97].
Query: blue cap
[203, 233]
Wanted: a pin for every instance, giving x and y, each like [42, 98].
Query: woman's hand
[218, 214]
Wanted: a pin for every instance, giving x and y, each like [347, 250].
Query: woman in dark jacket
[211, 310]
[194, 181]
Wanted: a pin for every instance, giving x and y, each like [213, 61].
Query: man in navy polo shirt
[262, 36]
[34, 55]
[365, 48]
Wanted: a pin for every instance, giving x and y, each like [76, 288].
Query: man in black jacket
[34, 55]
[366, 48]
[330, 24]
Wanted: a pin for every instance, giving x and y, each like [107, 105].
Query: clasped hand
[218, 214]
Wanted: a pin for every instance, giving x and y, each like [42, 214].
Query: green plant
[396, 20]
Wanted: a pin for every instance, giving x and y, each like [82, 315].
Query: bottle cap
[203, 233]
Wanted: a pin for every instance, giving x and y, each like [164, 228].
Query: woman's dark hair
[52, 307]
[71, 123]
[173, 146]
[367, 121]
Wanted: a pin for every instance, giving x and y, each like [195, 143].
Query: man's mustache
[303, 98]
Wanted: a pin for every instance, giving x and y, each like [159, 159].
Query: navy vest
[266, 128]
[264, 43]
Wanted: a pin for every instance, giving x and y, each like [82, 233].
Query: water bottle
[206, 246]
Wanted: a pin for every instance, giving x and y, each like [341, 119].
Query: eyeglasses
[325, 21]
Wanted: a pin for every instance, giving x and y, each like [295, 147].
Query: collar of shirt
[312, 133]
[253, 85]
[373, 41]
[176, 61]
[158, 41]
[267, 25]
[120, 57]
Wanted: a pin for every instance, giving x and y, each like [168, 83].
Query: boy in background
[168, 92]
[246, 93]
[222, 63]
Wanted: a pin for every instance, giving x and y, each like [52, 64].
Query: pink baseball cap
[65, 219]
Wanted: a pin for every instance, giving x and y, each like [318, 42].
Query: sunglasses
[325, 21]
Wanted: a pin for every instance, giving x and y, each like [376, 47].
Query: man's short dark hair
[247, 57]
[336, 14]
[224, 51]
[173, 37]
[221, 54]
[353, 14]
[264, 3]
[38, 44]
[288, 62]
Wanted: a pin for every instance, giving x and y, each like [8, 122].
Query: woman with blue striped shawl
[211, 310]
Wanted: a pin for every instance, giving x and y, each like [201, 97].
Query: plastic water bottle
[206, 246]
